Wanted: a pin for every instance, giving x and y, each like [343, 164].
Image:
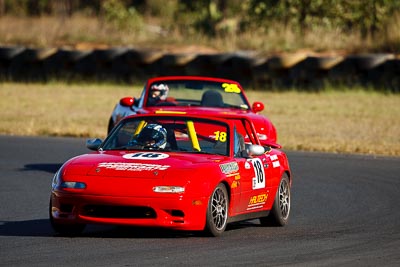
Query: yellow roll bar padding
[140, 127]
[169, 112]
[193, 136]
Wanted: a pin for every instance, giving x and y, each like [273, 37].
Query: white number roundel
[146, 156]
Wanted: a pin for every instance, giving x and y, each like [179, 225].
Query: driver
[158, 93]
[152, 136]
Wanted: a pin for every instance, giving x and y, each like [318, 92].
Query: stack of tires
[299, 70]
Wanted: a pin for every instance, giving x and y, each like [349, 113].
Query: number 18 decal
[146, 156]
[220, 136]
[259, 179]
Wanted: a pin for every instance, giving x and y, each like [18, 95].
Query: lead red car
[195, 94]
[179, 171]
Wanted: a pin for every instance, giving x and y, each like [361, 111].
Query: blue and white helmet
[152, 136]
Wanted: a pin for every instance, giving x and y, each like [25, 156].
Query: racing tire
[279, 214]
[65, 229]
[217, 211]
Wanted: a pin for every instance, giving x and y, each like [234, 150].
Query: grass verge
[353, 121]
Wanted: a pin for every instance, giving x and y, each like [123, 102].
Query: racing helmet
[162, 88]
[153, 136]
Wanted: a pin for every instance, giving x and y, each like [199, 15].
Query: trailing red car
[194, 94]
[174, 170]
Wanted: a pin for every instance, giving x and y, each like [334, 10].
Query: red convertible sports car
[173, 170]
[193, 94]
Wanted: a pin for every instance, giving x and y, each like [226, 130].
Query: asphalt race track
[344, 213]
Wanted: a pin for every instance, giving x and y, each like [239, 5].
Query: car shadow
[42, 228]
[46, 167]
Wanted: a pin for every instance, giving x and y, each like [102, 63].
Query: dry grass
[343, 122]
[84, 32]
[58, 109]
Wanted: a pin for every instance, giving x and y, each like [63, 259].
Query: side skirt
[248, 216]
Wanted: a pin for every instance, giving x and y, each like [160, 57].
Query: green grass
[353, 121]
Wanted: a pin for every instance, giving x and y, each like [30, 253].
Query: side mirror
[93, 144]
[256, 150]
[127, 101]
[258, 107]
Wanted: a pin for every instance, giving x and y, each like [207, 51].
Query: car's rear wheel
[279, 214]
[217, 211]
[63, 228]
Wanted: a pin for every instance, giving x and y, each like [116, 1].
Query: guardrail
[380, 71]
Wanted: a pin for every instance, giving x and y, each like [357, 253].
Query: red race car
[195, 94]
[174, 170]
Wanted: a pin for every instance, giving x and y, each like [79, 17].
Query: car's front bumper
[175, 212]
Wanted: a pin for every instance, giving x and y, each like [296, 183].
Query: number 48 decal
[259, 179]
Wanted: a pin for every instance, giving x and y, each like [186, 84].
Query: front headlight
[56, 180]
[168, 189]
[58, 183]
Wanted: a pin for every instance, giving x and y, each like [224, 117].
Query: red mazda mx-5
[182, 171]
[195, 94]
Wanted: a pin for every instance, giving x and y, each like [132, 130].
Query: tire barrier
[299, 70]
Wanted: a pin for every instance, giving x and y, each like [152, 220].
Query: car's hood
[121, 174]
[138, 164]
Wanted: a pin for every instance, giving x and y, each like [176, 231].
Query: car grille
[123, 212]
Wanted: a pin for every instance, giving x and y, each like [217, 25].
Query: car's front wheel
[279, 214]
[217, 211]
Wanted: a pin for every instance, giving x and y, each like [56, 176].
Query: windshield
[196, 93]
[170, 134]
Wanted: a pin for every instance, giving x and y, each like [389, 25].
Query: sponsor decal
[275, 161]
[125, 166]
[275, 164]
[262, 136]
[229, 167]
[257, 201]
[146, 156]
[234, 184]
[247, 165]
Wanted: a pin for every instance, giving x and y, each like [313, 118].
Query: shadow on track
[42, 228]
[46, 167]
